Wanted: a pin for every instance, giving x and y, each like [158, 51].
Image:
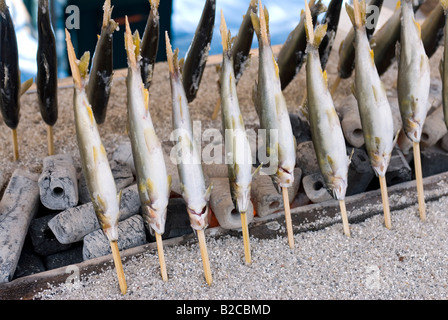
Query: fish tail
[357, 13]
[444, 4]
[132, 44]
[225, 35]
[79, 68]
[154, 3]
[314, 37]
[173, 62]
[261, 24]
[107, 13]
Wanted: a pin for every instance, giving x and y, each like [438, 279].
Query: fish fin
[152, 142]
[170, 182]
[154, 3]
[419, 29]
[119, 195]
[149, 187]
[255, 23]
[351, 156]
[330, 163]
[309, 24]
[208, 192]
[83, 65]
[441, 66]
[444, 4]
[353, 90]
[107, 8]
[100, 203]
[73, 61]
[25, 86]
[398, 5]
[131, 48]
[319, 33]
[225, 35]
[357, 13]
[261, 24]
[173, 62]
[325, 77]
[372, 56]
[396, 136]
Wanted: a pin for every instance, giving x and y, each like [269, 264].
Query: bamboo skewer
[161, 257]
[419, 180]
[246, 241]
[118, 266]
[204, 256]
[15, 145]
[50, 140]
[288, 217]
[344, 218]
[385, 199]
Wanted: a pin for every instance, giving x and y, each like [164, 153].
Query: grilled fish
[150, 44]
[153, 181]
[95, 165]
[194, 191]
[374, 108]
[413, 82]
[239, 156]
[196, 57]
[271, 106]
[101, 74]
[326, 131]
[47, 69]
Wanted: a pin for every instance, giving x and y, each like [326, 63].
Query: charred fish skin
[196, 57]
[150, 44]
[271, 106]
[326, 131]
[243, 43]
[373, 105]
[101, 73]
[152, 178]
[444, 64]
[191, 175]
[9, 69]
[331, 19]
[94, 161]
[413, 82]
[239, 162]
[346, 62]
[291, 56]
[47, 69]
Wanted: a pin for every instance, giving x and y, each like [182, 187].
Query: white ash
[407, 262]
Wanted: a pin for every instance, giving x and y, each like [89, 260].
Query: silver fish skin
[94, 161]
[188, 157]
[239, 155]
[326, 131]
[413, 82]
[152, 178]
[271, 106]
[373, 105]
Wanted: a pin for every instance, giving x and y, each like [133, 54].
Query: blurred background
[179, 17]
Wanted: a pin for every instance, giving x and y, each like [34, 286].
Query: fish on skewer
[346, 63]
[95, 165]
[292, 54]
[373, 105]
[47, 71]
[150, 44]
[413, 86]
[188, 160]
[444, 64]
[239, 157]
[326, 131]
[101, 74]
[10, 84]
[154, 184]
[272, 111]
[196, 57]
[241, 49]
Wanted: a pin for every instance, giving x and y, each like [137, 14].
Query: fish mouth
[111, 233]
[285, 177]
[198, 221]
[413, 129]
[156, 219]
[337, 188]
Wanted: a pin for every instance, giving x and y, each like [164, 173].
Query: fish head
[156, 217]
[285, 177]
[111, 231]
[337, 187]
[241, 194]
[413, 129]
[198, 218]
